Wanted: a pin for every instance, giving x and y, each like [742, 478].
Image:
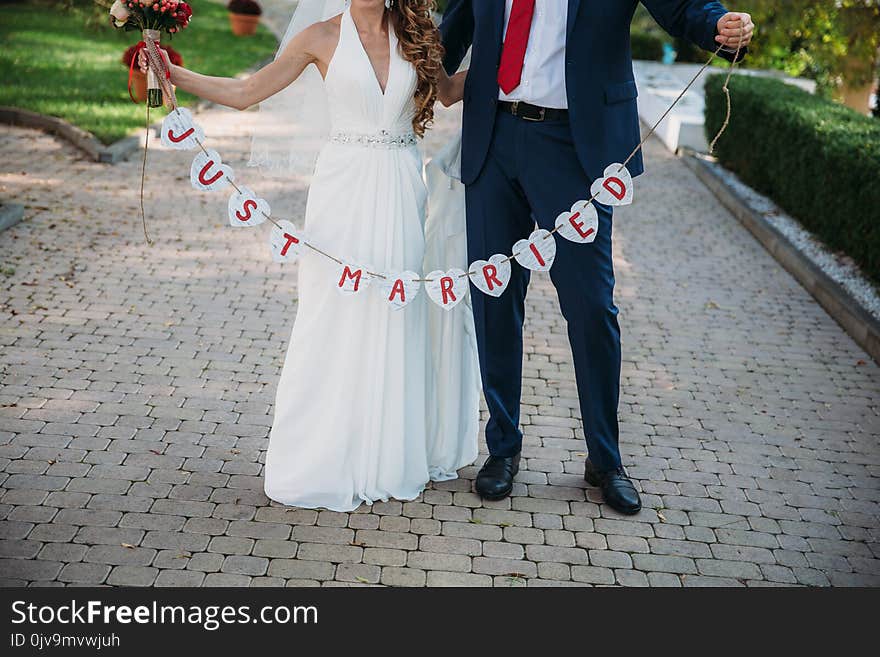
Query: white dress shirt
[543, 75]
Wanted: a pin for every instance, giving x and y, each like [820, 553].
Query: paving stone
[383, 539]
[661, 563]
[132, 576]
[185, 578]
[226, 579]
[118, 555]
[301, 569]
[360, 572]
[438, 561]
[268, 547]
[440, 578]
[409, 577]
[592, 575]
[84, 573]
[450, 545]
[244, 565]
[385, 556]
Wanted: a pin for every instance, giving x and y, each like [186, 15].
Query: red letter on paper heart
[208, 171]
[351, 279]
[447, 288]
[180, 132]
[246, 209]
[615, 187]
[537, 252]
[580, 224]
[400, 288]
[285, 242]
[492, 276]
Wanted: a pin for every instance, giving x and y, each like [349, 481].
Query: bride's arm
[450, 90]
[242, 93]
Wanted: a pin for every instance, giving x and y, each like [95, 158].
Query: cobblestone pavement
[136, 390]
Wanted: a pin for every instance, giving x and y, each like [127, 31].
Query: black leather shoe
[619, 492]
[495, 479]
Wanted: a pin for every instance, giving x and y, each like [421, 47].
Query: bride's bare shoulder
[321, 38]
[323, 32]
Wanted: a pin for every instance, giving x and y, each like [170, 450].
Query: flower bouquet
[151, 17]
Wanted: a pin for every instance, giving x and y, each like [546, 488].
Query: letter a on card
[400, 288]
[614, 187]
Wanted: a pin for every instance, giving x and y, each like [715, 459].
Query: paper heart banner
[285, 242]
[351, 279]
[180, 132]
[537, 252]
[208, 171]
[491, 276]
[246, 208]
[447, 288]
[614, 187]
[580, 224]
[400, 288]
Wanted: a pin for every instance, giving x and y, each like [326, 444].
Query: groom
[549, 102]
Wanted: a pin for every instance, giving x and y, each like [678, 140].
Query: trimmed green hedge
[820, 161]
[646, 46]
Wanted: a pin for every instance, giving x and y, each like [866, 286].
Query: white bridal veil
[294, 123]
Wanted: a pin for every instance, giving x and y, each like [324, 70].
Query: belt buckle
[514, 108]
[539, 118]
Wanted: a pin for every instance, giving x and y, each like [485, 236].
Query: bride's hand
[144, 61]
[450, 90]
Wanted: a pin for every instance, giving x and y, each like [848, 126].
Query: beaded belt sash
[383, 139]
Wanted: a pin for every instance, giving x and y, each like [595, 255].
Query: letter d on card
[615, 187]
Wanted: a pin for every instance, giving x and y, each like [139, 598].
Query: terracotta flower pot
[139, 86]
[243, 24]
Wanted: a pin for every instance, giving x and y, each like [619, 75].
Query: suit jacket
[599, 76]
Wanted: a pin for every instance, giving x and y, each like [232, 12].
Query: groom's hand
[734, 30]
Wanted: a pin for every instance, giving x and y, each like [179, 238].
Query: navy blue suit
[518, 173]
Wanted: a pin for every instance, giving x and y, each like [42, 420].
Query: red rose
[184, 12]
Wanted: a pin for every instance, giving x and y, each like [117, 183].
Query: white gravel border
[838, 266]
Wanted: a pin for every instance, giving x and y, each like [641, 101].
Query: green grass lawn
[53, 64]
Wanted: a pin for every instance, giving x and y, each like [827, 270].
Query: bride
[372, 403]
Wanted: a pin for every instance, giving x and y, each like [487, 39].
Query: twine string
[143, 178]
[726, 91]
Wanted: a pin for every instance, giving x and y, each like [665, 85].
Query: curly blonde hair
[420, 45]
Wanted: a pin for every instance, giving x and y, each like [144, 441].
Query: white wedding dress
[373, 403]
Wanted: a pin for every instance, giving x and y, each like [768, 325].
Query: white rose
[119, 12]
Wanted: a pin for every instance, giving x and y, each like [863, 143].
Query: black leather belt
[529, 112]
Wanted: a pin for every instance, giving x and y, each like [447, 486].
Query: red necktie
[514, 52]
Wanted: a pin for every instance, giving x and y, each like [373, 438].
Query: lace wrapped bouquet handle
[151, 18]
